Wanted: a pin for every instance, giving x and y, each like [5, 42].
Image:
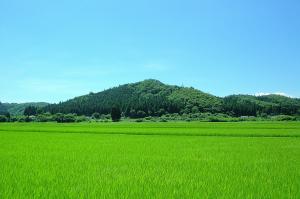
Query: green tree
[7, 114]
[30, 110]
[59, 118]
[68, 118]
[115, 114]
[3, 118]
[195, 109]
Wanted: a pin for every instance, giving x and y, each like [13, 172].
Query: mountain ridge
[152, 98]
[148, 96]
[18, 108]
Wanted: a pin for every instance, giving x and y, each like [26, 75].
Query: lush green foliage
[203, 117]
[3, 109]
[190, 100]
[3, 118]
[96, 115]
[239, 105]
[153, 98]
[30, 110]
[18, 109]
[146, 98]
[115, 114]
[150, 160]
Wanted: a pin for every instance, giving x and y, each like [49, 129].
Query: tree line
[151, 98]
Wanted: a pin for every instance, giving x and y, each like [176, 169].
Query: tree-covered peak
[148, 97]
[151, 97]
[150, 81]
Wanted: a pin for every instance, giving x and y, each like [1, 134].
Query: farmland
[150, 160]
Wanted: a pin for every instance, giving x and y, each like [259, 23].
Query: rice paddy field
[150, 160]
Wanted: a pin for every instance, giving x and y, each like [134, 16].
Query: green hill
[3, 109]
[18, 108]
[153, 98]
[239, 105]
[148, 97]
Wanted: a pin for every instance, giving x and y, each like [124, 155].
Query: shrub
[141, 114]
[105, 117]
[216, 119]
[3, 118]
[13, 119]
[21, 119]
[148, 118]
[28, 119]
[59, 117]
[68, 118]
[161, 112]
[45, 117]
[284, 118]
[132, 113]
[96, 115]
[163, 120]
[81, 119]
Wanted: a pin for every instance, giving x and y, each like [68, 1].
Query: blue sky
[55, 50]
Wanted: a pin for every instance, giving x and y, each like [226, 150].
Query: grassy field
[150, 160]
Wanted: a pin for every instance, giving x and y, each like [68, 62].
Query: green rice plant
[150, 160]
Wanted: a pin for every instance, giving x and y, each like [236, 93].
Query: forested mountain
[239, 105]
[3, 109]
[153, 98]
[149, 97]
[18, 108]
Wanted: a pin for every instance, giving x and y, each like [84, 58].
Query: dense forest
[146, 98]
[3, 109]
[18, 108]
[241, 105]
[153, 98]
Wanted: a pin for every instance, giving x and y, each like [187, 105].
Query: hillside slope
[18, 108]
[148, 97]
[153, 98]
[3, 109]
[239, 105]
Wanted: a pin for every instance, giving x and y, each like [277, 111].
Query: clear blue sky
[55, 50]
